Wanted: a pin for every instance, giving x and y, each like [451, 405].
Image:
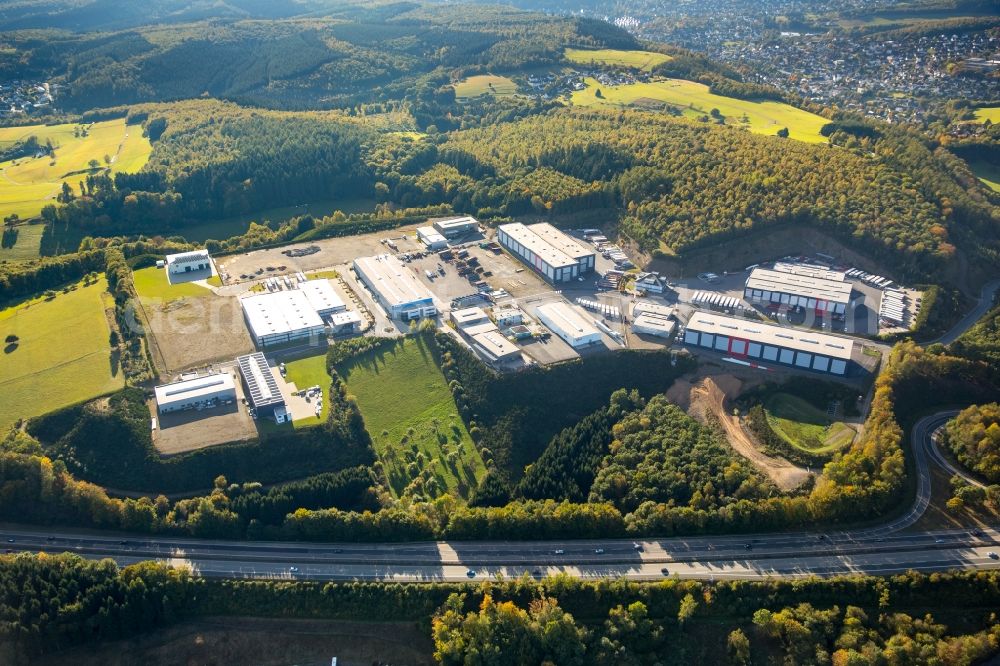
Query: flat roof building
[777, 288]
[653, 324]
[549, 251]
[809, 270]
[456, 226]
[282, 316]
[189, 262]
[469, 316]
[756, 341]
[197, 393]
[568, 324]
[496, 347]
[322, 297]
[430, 237]
[261, 387]
[395, 287]
[342, 323]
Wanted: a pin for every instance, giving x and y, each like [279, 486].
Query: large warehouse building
[188, 262]
[546, 249]
[261, 387]
[395, 287]
[774, 288]
[568, 324]
[295, 314]
[456, 226]
[197, 393]
[756, 341]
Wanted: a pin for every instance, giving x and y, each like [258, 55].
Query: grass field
[403, 394]
[804, 426]
[23, 242]
[306, 372]
[988, 173]
[29, 183]
[695, 101]
[151, 284]
[991, 113]
[645, 60]
[62, 357]
[483, 84]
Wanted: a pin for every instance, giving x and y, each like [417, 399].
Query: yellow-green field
[62, 355]
[29, 183]
[695, 101]
[804, 426]
[22, 242]
[151, 284]
[306, 372]
[645, 60]
[483, 84]
[988, 174]
[991, 113]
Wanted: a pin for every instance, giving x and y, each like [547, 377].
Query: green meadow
[61, 355]
[412, 418]
[28, 183]
[306, 372]
[990, 113]
[694, 101]
[804, 426]
[645, 60]
[151, 284]
[483, 84]
[988, 174]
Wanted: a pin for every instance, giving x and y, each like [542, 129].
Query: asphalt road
[985, 303]
[882, 549]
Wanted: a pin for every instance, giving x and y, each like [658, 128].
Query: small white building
[345, 323]
[653, 324]
[651, 283]
[197, 393]
[496, 347]
[431, 238]
[508, 316]
[261, 388]
[189, 262]
[568, 324]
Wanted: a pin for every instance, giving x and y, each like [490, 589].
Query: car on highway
[560, 551]
[293, 569]
[598, 551]
[665, 571]
[748, 546]
[470, 573]
[992, 555]
[637, 546]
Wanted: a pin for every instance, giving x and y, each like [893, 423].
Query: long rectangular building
[395, 287]
[767, 343]
[769, 287]
[282, 316]
[261, 387]
[568, 324]
[197, 393]
[546, 249]
[456, 226]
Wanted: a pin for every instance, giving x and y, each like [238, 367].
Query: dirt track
[708, 397]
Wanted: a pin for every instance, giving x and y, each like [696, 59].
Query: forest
[974, 438]
[50, 603]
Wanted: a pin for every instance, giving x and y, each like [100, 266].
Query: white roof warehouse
[792, 289]
[546, 249]
[192, 393]
[395, 287]
[295, 314]
[757, 341]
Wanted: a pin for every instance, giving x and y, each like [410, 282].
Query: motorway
[882, 549]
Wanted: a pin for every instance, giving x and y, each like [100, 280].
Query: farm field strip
[403, 394]
[474, 86]
[695, 101]
[644, 60]
[62, 355]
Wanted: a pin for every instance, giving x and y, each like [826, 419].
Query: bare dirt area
[194, 332]
[707, 398]
[263, 642]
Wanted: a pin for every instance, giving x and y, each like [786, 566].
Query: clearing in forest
[28, 183]
[412, 418]
[58, 353]
[483, 84]
[644, 60]
[804, 426]
[694, 100]
[990, 113]
[988, 174]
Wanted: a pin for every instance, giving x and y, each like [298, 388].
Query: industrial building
[188, 262]
[651, 283]
[546, 249]
[508, 315]
[469, 316]
[810, 270]
[456, 226]
[322, 297]
[496, 347]
[755, 341]
[773, 288]
[196, 393]
[653, 319]
[345, 323]
[430, 237]
[568, 324]
[261, 387]
[281, 316]
[395, 287]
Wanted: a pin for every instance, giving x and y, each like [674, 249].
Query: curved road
[876, 550]
[986, 295]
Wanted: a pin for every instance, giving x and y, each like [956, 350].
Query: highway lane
[984, 303]
[879, 549]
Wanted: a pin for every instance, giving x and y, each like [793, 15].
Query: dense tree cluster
[982, 341]
[662, 455]
[974, 437]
